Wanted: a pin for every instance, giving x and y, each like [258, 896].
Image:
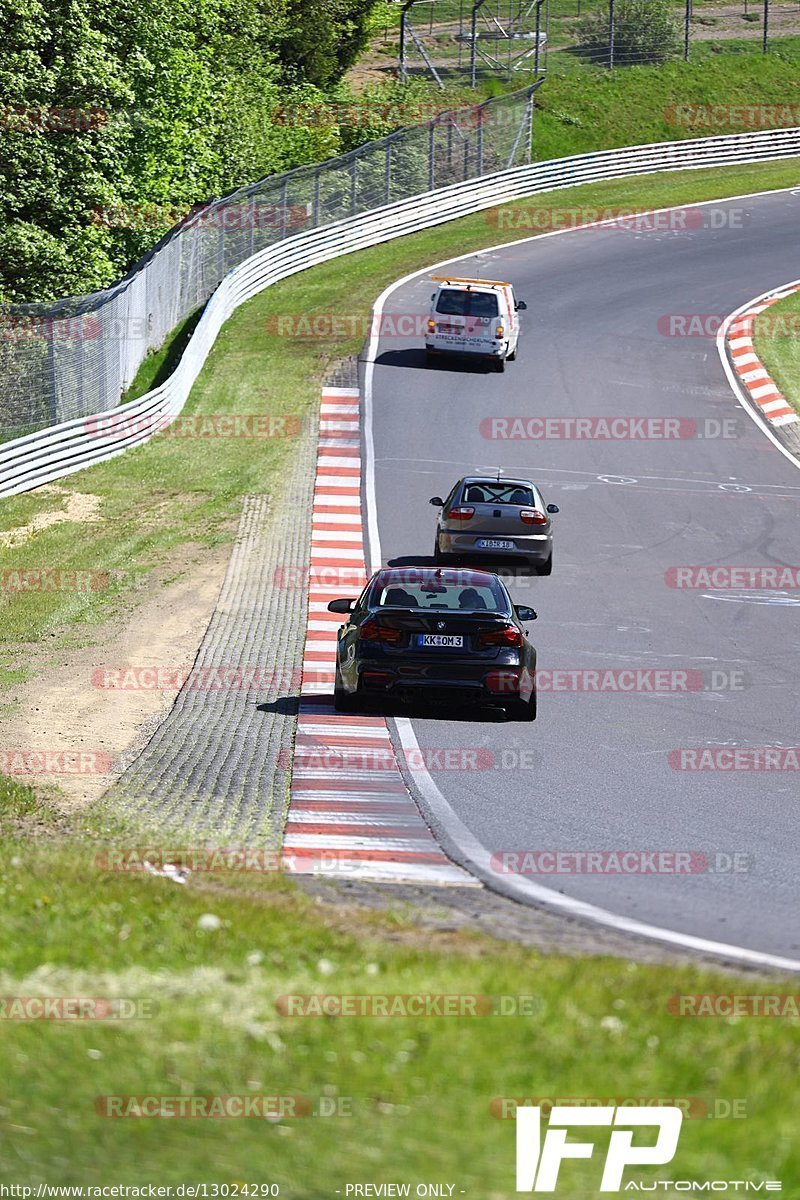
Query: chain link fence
[76, 357]
[624, 33]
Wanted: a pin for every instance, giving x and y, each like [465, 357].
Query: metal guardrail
[60, 450]
[73, 357]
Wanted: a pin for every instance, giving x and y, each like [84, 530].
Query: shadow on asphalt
[415, 360]
[288, 706]
[381, 707]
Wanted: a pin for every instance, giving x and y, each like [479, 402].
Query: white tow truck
[476, 318]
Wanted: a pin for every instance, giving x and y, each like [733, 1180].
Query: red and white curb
[754, 376]
[350, 812]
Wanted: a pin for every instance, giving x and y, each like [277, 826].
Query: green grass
[419, 1090]
[159, 365]
[414, 1093]
[581, 108]
[775, 335]
[177, 491]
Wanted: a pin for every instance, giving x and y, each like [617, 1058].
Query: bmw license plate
[447, 641]
[494, 544]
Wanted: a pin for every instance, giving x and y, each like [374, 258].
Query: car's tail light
[500, 331]
[464, 512]
[532, 516]
[377, 678]
[371, 631]
[431, 325]
[502, 683]
[509, 635]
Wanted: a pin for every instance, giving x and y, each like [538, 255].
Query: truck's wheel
[500, 364]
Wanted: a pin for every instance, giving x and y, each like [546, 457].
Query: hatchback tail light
[464, 512]
[532, 516]
[509, 635]
[371, 631]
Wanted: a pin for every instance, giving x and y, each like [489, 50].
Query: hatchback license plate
[453, 641]
[494, 544]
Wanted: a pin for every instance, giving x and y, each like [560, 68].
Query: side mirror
[553, 508]
[437, 501]
[524, 613]
[433, 295]
[341, 606]
[521, 306]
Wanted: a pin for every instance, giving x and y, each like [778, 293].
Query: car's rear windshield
[499, 493]
[458, 593]
[454, 302]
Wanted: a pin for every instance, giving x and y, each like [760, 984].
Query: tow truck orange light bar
[480, 282]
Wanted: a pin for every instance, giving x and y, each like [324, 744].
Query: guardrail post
[387, 174]
[353, 183]
[611, 35]
[431, 153]
[315, 216]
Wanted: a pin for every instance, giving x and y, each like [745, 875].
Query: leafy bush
[645, 31]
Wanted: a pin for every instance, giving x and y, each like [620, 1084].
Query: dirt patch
[79, 506]
[91, 732]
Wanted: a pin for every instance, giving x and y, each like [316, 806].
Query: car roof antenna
[499, 473]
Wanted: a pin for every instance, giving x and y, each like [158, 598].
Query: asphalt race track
[595, 773]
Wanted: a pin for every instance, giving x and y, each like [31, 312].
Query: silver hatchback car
[493, 518]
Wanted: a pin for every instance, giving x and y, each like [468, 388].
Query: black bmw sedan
[442, 634]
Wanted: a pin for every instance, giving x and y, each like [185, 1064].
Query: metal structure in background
[76, 357]
[54, 453]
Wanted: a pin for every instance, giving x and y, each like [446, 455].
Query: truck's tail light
[371, 631]
[509, 635]
[431, 325]
[500, 331]
[532, 516]
[464, 512]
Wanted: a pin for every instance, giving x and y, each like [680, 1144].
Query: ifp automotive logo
[539, 1160]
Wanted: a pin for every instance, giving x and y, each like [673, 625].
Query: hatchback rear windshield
[499, 493]
[456, 595]
[455, 303]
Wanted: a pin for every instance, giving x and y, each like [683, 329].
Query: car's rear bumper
[537, 546]
[491, 682]
[487, 351]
